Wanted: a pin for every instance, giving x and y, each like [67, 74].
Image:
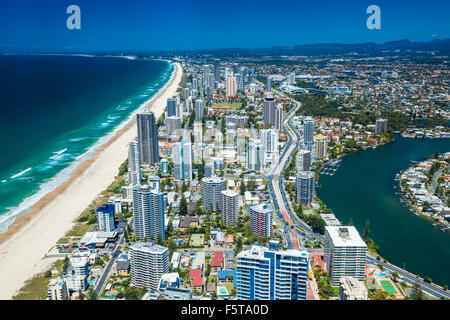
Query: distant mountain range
[400, 47]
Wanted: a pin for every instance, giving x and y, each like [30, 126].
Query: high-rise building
[304, 186]
[230, 206]
[278, 117]
[205, 75]
[344, 253]
[171, 107]
[78, 273]
[269, 138]
[134, 167]
[290, 79]
[239, 81]
[185, 93]
[303, 160]
[209, 169]
[199, 110]
[217, 70]
[148, 213]
[239, 121]
[271, 274]
[154, 182]
[255, 156]
[172, 125]
[148, 263]
[321, 146]
[57, 290]
[212, 192]
[187, 160]
[164, 166]
[182, 160]
[105, 217]
[210, 81]
[268, 84]
[269, 109]
[148, 137]
[308, 134]
[116, 202]
[261, 220]
[231, 86]
[380, 126]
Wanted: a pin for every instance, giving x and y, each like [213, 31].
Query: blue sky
[200, 24]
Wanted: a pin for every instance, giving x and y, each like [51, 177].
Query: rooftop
[345, 236]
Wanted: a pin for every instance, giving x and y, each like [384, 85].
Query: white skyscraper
[212, 193]
[231, 86]
[182, 160]
[261, 220]
[229, 211]
[345, 253]
[308, 134]
[134, 168]
[148, 213]
[105, 217]
[255, 156]
[305, 187]
[303, 160]
[199, 110]
[148, 263]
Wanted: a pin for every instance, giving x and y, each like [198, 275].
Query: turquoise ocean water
[54, 109]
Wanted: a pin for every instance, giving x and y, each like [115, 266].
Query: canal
[363, 189]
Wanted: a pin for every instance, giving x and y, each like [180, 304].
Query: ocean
[54, 109]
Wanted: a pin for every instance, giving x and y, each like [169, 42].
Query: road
[111, 262]
[300, 229]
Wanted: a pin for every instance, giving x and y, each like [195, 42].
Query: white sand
[21, 254]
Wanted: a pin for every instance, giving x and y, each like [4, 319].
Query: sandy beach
[32, 235]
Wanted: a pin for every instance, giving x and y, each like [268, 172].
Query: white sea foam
[61, 151]
[113, 117]
[21, 173]
[77, 139]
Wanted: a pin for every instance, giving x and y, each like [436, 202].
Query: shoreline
[33, 234]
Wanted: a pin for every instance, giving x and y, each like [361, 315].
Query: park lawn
[308, 211]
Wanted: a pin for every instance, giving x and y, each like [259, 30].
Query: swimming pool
[380, 274]
[223, 291]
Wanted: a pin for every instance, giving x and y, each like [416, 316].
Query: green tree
[417, 293]
[366, 231]
[183, 205]
[242, 187]
[65, 265]
[92, 295]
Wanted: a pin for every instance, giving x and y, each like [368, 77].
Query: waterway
[363, 189]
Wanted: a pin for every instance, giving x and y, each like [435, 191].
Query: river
[363, 189]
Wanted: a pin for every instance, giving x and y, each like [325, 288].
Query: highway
[295, 229]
